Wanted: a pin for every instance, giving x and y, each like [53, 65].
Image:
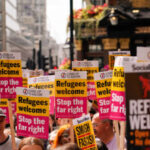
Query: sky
[57, 16]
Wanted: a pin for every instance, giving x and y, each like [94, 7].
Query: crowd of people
[59, 136]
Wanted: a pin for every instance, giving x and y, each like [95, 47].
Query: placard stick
[115, 123]
[11, 125]
[122, 134]
[71, 131]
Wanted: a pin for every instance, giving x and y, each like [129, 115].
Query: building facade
[11, 39]
[31, 15]
[124, 26]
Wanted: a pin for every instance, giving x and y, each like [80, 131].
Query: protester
[62, 137]
[103, 130]
[52, 136]
[68, 146]
[5, 139]
[31, 143]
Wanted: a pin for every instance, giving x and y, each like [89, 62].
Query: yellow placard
[90, 72]
[85, 135]
[103, 88]
[71, 88]
[35, 106]
[10, 68]
[118, 80]
[44, 85]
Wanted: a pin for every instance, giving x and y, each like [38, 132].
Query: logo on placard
[78, 63]
[145, 85]
[102, 75]
[63, 75]
[25, 91]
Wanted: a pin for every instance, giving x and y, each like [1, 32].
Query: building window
[11, 10]
[14, 2]
[12, 24]
[95, 48]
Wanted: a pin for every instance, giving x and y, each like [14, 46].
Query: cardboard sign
[84, 133]
[91, 67]
[4, 107]
[137, 78]
[113, 54]
[70, 94]
[103, 92]
[32, 112]
[10, 74]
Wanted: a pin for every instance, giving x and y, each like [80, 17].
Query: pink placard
[91, 90]
[70, 107]
[5, 111]
[52, 104]
[8, 86]
[117, 106]
[35, 126]
[104, 107]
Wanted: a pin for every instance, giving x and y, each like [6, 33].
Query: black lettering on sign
[86, 141]
[85, 128]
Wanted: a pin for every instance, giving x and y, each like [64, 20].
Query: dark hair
[101, 145]
[104, 120]
[68, 146]
[31, 141]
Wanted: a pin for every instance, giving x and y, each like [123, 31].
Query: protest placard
[44, 82]
[118, 100]
[84, 133]
[113, 54]
[91, 67]
[117, 105]
[137, 76]
[32, 112]
[103, 92]
[10, 74]
[25, 76]
[4, 107]
[70, 94]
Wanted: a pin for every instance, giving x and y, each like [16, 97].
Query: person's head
[31, 143]
[68, 146]
[103, 129]
[2, 122]
[63, 136]
[52, 136]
